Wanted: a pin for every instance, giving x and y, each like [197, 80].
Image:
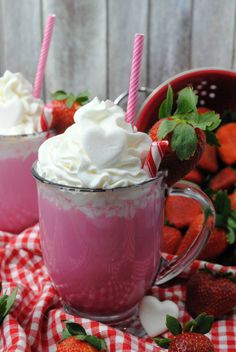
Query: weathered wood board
[93, 40]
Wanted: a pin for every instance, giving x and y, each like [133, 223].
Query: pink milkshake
[20, 138]
[101, 216]
[102, 249]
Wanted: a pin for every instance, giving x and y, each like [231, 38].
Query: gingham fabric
[35, 321]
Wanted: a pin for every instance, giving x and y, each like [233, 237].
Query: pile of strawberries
[210, 165]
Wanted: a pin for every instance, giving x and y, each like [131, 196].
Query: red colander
[216, 89]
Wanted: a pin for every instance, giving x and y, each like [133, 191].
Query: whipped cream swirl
[100, 150]
[19, 110]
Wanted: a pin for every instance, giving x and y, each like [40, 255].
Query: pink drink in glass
[102, 247]
[18, 194]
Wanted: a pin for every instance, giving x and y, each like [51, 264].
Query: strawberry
[208, 160]
[226, 135]
[216, 244]
[187, 132]
[75, 339]
[171, 239]
[181, 211]
[63, 107]
[223, 235]
[224, 179]
[189, 339]
[214, 294]
[72, 344]
[194, 176]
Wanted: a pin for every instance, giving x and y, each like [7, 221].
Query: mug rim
[161, 175]
[24, 135]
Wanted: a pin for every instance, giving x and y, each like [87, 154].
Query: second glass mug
[18, 193]
[102, 247]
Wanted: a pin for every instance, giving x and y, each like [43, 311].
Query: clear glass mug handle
[124, 95]
[170, 269]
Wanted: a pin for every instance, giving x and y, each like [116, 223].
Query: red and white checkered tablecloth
[35, 322]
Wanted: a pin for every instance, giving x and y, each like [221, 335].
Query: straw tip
[139, 35]
[52, 15]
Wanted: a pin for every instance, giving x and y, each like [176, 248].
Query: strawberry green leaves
[225, 216]
[70, 98]
[76, 330]
[211, 138]
[209, 120]
[183, 123]
[167, 104]
[164, 343]
[173, 325]
[201, 325]
[59, 95]
[6, 303]
[166, 127]
[186, 102]
[184, 141]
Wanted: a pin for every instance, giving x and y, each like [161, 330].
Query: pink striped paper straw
[43, 55]
[134, 78]
[154, 157]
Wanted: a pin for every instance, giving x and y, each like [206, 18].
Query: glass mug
[18, 193]
[102, 247]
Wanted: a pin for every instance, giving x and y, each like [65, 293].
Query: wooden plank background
[93, 39]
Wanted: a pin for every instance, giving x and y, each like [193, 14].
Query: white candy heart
[103, 149]
[10, 113]
[152, 314]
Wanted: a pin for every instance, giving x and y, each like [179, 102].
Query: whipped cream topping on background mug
[19, 110]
